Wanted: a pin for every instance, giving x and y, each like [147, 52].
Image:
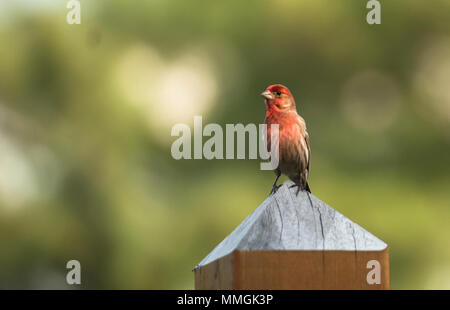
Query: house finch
[294, 148]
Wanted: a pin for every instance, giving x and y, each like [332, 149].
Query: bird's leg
[309, 197]
[275, 186]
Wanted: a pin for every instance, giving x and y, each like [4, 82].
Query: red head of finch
[294, 148]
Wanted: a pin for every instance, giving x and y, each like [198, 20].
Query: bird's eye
[278, 93]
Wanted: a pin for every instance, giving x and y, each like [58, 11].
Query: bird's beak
[267, 94]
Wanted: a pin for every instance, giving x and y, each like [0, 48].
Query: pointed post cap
[286, 221]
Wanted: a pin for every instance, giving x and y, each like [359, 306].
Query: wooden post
[296, 242]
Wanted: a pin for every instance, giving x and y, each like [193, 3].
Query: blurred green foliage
[85, 131]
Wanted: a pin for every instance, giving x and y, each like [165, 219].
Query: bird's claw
[298, 188]
[274, 189]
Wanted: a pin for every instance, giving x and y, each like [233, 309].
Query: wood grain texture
[294, 242]
[308, 269]
[216, 275]
[278, 270]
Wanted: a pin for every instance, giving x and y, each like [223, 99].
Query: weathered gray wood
[285, 221]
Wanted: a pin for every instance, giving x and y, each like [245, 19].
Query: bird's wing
[266, 135]
[306, 137]
[304, 143]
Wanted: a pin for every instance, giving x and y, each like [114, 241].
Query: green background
[86, 113]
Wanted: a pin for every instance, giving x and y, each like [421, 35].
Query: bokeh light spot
[432, 79]
[167, 92]
[370, 101]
